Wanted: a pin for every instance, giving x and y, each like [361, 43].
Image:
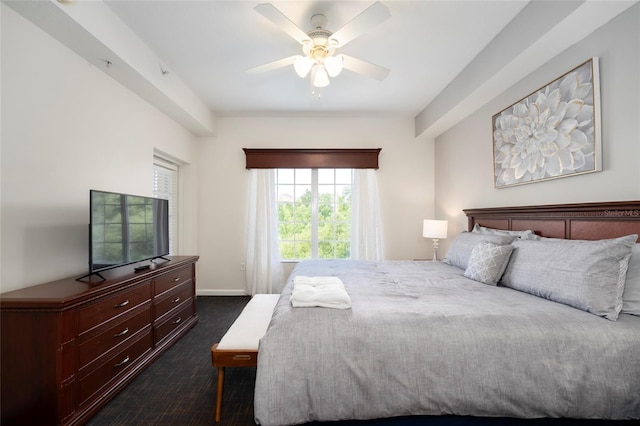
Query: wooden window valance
[312, 158]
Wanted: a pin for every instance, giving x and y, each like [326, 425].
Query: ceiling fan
[319, 46]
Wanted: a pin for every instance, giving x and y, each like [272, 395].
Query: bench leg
[219, 393]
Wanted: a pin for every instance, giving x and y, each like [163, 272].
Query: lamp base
[435, 250]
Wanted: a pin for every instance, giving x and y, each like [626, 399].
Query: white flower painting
[552, 133]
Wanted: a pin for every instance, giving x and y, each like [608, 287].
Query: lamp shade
[319, 76]
[302, 65]
[333, 64]
[434, 228]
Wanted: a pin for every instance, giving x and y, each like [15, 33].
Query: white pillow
[588, 275]
[522, 235]
[631, 295]
[488, 262]
[464, 243]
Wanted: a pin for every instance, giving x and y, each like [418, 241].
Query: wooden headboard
[584, 221]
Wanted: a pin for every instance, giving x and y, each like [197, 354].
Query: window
[165, 185]
[314, 213]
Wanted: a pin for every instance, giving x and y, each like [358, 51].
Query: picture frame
[552, 133]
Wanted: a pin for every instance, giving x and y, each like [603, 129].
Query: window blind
[165, 185]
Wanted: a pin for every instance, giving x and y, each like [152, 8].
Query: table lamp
[435, 229]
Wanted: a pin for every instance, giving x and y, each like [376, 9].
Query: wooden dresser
[69, 346]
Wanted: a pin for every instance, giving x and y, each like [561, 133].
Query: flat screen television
[126, 229]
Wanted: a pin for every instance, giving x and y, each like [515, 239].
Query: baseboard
[221, 293]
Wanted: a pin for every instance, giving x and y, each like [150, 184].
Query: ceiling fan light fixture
[319, 76]
[334, 65]
[319, 46]
[302, 65]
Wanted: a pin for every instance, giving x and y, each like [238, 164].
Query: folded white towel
[327, 295]
[316, 281]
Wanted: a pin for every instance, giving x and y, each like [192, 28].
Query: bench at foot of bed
[239, 346]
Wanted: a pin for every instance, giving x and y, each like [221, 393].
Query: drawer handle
[123, 362]
[241, 357]
[177, 321]
[121, 305]
[176, 279]
[122, 333]
[176, 300]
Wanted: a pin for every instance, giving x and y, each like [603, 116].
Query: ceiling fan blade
[365, 68]
[270, 12]
[272, 65]
[369, 18]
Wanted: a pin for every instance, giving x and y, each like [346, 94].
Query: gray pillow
[522, 235]
[588, 275]
[464, 243]
[488, 262]
[631, 295]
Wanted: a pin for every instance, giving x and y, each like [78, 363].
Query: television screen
[126, 229]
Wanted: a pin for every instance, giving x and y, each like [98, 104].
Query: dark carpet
[180, 387]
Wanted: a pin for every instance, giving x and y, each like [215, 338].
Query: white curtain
[366, 219]
[264, 269]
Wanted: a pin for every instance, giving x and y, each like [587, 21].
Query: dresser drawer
[174, 298]
[112, 306]
[114, 366]
[174, 320]
[118, 331]
[169, 280]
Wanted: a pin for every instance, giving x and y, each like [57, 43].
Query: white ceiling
[210, 44]
[447, 57]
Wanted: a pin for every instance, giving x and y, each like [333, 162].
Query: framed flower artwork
[552, 133]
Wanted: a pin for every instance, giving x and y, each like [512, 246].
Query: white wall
[464, 157]
[66, 128]
[405, 180]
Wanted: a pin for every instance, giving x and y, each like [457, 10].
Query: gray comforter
[423, 339]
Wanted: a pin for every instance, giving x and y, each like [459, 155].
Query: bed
[421, 338]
